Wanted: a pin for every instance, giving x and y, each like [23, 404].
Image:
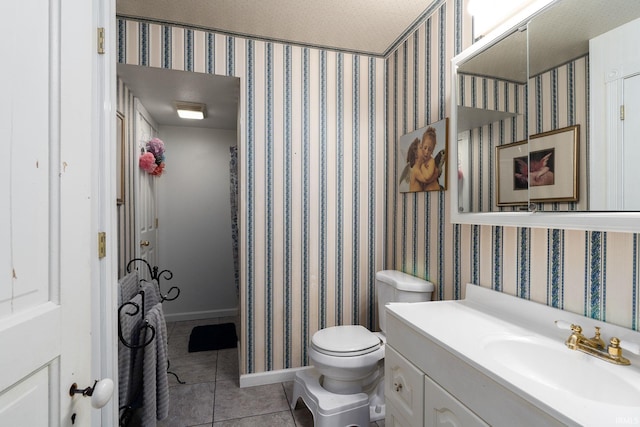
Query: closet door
[146, 204]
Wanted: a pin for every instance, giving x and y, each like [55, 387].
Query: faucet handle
[615, 352]
[597, 341]
[576, 329]
[563, 325]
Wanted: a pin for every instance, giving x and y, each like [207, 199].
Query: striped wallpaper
[320, 211]
[312, 148]
[590, 273]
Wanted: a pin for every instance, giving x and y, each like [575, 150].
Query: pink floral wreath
[152, 160]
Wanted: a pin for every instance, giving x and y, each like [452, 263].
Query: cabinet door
[443, 410]
[404, 387]
[395, 418]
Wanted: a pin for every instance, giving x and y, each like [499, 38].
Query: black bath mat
[213, 337]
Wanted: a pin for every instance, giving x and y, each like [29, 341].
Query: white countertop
[516, 343]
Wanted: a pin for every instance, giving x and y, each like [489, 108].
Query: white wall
[194, 234]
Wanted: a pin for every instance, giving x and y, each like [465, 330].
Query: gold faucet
[595, 346]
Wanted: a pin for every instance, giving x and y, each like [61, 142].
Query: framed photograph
[422, 159]
[120, 150]
[553, 165]
[512, 167]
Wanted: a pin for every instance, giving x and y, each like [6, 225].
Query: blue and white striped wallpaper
[591, 273]
[320, 211]
[312, 152]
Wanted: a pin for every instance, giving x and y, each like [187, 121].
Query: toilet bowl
[347, 357]
[346, 384]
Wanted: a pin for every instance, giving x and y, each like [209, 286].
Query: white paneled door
[146, 210]
[631, 135]
[47, 215]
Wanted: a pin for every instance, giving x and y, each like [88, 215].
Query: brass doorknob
[144, 243]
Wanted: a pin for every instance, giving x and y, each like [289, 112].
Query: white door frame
[612, 58]
[104, 292]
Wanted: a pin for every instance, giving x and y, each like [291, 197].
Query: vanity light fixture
[191, 110]
[487, 15]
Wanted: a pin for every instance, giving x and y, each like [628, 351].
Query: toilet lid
[346, 340]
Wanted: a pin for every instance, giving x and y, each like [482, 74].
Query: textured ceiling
[367, 26]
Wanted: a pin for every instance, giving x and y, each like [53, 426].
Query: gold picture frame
[554, 160]
[511, 180]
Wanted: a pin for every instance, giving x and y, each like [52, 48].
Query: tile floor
[212, 396]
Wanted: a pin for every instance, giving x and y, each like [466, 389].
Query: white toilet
[346, 386]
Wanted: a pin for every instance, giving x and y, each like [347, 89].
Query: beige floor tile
[279, 419]
[228, 365]
[178, 346]
[190, 405]
[194, 368]
[233, 402]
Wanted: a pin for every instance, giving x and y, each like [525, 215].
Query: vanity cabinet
[496, 359]
[415, 400]
[403, 389]
[395, 417]
[428, 385]
[441, 409]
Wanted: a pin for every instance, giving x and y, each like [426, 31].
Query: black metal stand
[156, 275]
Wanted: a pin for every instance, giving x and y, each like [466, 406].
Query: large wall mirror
[546, 116]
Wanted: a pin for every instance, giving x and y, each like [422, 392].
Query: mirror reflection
[563, 82]
[492, 104]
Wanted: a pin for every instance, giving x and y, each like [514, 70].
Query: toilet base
[331, 409]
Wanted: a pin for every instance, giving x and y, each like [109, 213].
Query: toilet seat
[345, 341]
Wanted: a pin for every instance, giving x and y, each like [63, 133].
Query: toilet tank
[396, 286]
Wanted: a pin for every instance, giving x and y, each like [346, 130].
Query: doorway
[193, 200]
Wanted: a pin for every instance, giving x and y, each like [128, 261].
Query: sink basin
[553, 365]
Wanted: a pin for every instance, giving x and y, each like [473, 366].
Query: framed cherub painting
[422, 159]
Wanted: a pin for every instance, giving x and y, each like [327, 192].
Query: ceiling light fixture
[487, 15]
[191, 110]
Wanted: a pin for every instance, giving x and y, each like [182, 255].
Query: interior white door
[146, 206]
[614, 83]
[631, 145]
[46, 243]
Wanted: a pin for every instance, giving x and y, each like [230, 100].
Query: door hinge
[102, 244]
[622, 112]
[101, 40]
[156, 222]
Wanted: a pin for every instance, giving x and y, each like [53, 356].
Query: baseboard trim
[195, 315]
[270, 377]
